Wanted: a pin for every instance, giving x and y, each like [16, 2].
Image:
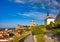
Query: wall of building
[50, 20]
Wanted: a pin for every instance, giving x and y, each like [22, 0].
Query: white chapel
[49, 19]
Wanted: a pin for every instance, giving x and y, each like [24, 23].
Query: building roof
[50, 17]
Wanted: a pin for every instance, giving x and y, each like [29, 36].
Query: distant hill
[57, 20]
[7, 28]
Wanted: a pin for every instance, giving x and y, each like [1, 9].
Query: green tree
[11, 34]
[51, 25]
[58, 19]
[58, 22]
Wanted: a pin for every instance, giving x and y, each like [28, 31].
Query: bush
[11, 35]
[51, 26]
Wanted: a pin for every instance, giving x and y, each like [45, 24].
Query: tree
[11, 35]
[58, 22]
[51, 26]
[58, 19]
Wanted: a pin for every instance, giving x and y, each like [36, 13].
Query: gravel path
[51, 37]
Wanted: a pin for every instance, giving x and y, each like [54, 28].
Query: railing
[22, 38]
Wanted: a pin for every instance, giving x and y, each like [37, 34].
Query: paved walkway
[35, 40]
[28, 38]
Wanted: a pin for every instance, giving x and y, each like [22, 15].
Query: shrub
[11, 35]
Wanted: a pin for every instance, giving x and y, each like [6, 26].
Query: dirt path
[51, 37]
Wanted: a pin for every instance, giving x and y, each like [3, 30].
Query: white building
[49, 19]
[32, 23]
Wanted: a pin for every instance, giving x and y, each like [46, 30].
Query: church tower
[49, 19]
[47, 14]
[18, 27]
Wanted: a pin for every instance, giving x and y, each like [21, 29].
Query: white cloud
[43, 6]
[51, 4]
[35, 1]
[35, 7]
[26, 14]
[54, 2]
[37, 15]
[19, 1]
[54, 10]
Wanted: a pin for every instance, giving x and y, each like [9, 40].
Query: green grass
[39, 37]
[57, 31]
[39, 32]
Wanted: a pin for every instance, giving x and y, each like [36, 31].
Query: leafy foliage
[58, 19]
[51, 25]
[11, 35]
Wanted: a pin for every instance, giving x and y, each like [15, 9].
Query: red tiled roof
[49, 17]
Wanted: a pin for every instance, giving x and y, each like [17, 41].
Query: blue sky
[13, 12]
